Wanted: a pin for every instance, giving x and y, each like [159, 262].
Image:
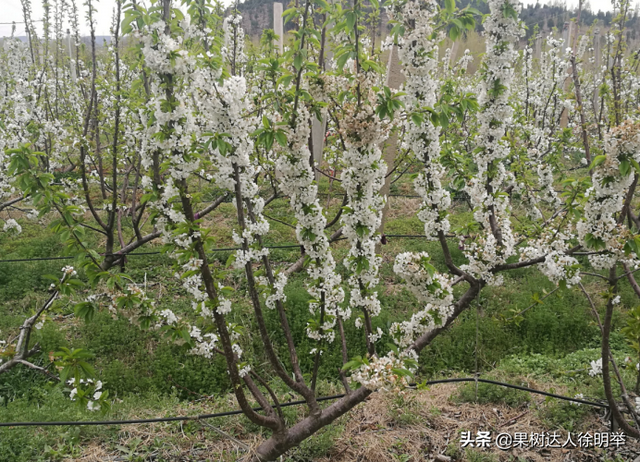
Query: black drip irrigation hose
[291, 403]
[137, 254]
[227, 249]
[518, 387]
[15, 260]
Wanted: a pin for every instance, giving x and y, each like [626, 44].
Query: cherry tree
[130, 138]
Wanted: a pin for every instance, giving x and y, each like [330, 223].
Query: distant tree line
[545, 16]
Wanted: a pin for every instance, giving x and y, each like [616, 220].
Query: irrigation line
[35, 259]
[291, 403]
[227, 249]
[518, 387]
[338, 194]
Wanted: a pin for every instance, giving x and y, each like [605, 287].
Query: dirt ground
[420, 426]
[437, 433]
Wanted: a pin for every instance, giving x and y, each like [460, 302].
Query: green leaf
[458, 23]
[285, 80]
[353, 364]
[230, 260]
[185, 335]
[342, 59]
[227, 291]
[126, 24]
[450, 6]
[597, 161]
[281, 138]
[350, 17]
[268, 140]
[85, 310]
[87, 368]
[402, 372]
[625, 167]
[444, 120]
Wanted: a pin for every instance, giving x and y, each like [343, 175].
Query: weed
[563, 415]
[318, 445]
[489, 393]
[454, 451]
[472, 455]
[403, 410]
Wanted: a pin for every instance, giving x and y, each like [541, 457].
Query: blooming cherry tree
[133, 136]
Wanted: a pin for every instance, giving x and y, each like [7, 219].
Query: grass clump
[564, 415]
[491, 394]
[473, 455]
[318, 445]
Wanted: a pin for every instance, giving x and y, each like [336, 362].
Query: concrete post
[597, 49]
[537, 50]
[567, 35]
[318, 131]
[454, 52]
[597, 52]
[72, 66]
[278, 27]
[395, 78]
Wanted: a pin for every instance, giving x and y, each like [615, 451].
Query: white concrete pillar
[395, 78]
[318, 131]
[537, 50]
[72, 66]
[278, 26]
[597, 48]
[453, 53]
[567, 35]
[597, 54]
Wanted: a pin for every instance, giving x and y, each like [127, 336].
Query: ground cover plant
[178, 140]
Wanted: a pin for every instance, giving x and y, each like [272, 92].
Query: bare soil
[419, 426]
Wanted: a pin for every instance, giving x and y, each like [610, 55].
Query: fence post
[395, 78]
[567, 34]
[454, 52]
[278, 27]
[72, 67]
[537, 51]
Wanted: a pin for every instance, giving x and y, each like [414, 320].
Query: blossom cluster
[90, 390]
[297, 181]
[596, 367]
[181, 111]
[557, 265]
[431, 288]
[384, 373]
[540, 89]
[599, 228]
[491, 204]
[416, 50]
[362, 180]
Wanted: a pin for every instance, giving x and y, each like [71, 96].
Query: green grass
[551, 342]
[487, 393]
[132, 361]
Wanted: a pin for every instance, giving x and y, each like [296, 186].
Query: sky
[12, 11]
